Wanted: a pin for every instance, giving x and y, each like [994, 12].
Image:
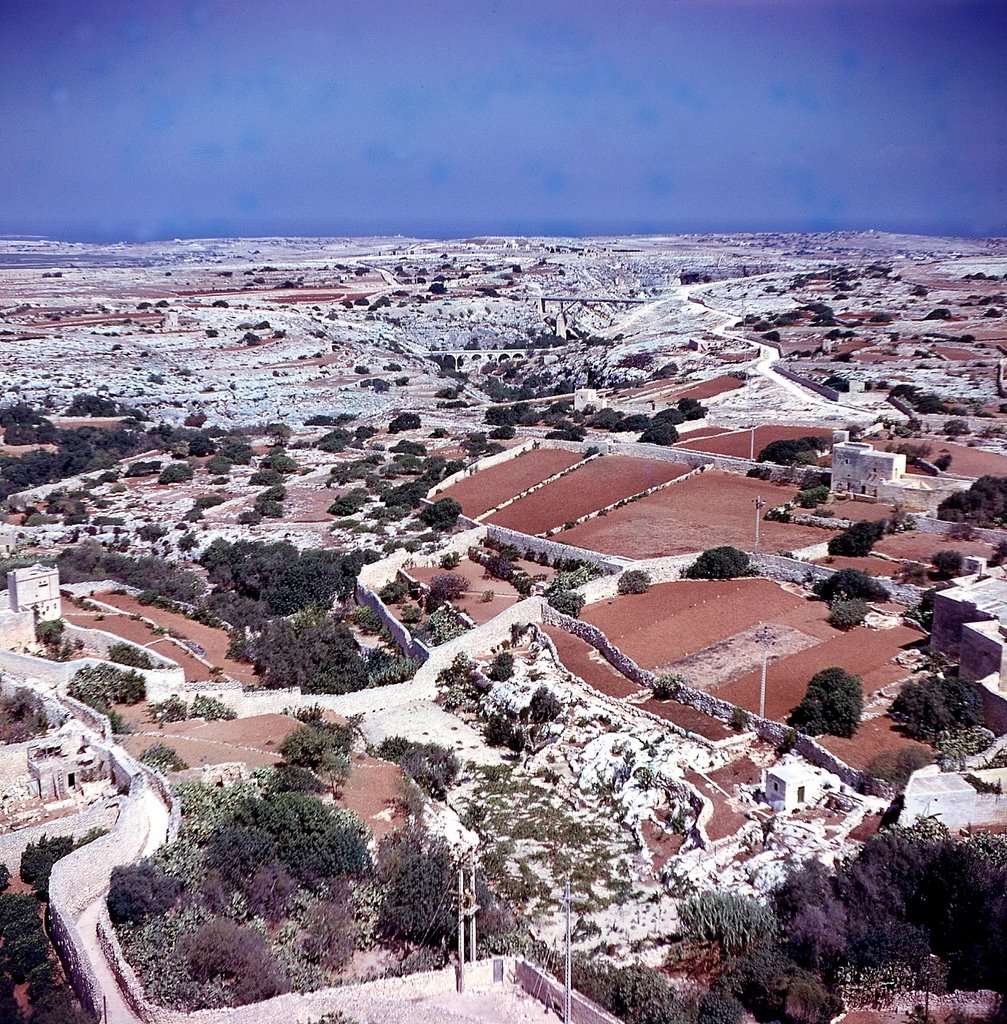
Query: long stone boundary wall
[97, 641]
[487, 463]
[772, 732]
[793, 570]
[941, 528]
[12, 844]
[548, 991]
[660, 570]
[81, 877]
[60, 673]
[806, 382]
[554, 549]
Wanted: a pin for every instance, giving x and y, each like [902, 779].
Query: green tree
[175, 473]
[937, 705]
[857, 540]
[441, 515]
[723, 563]
[833, 704]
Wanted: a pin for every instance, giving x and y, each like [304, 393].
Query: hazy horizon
[143, 121]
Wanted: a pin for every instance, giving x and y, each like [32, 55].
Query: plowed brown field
[708, 510]
[588, 488]
[490, 487]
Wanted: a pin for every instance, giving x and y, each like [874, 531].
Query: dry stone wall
[772, 732]
[12, 844]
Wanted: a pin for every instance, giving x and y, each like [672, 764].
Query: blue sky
[135, 120]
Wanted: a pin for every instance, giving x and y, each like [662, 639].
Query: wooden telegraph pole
[461, 929]
[472, 908]
[567, 964]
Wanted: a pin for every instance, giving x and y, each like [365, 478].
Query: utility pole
[567, 965]
[765, 640]
[759, 506]
[473, 907]
[461, 929]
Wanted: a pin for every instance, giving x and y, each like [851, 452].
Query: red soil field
[871, 737]
[694, 435]
[592, 486]
[673, 620]
[710, 388]
[919, 546]
[967, 461]
[866, 652]
[488, 488]
[855, 509]
[213, 641]
[580, 658]
[950, 352]
[708, 510]
[309, 504]
[872, 566]
[140, 633]
[253, 741]
[739, 442]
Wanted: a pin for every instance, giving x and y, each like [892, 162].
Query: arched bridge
[457, 359]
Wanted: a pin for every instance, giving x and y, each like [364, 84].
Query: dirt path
[116, 1009]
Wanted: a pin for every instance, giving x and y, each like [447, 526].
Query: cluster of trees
[93, 449]
[906, 904]
[254, 581]
[910, 913]
[983, 504]
[270, 889]
[921, 401]
[794, 451]
[570, 424]
[150, 574]
[26, 958]
[310, 650]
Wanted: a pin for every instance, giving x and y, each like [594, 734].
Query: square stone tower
[35, 589]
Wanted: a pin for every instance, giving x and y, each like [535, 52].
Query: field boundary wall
[715, 707]
[812, 385]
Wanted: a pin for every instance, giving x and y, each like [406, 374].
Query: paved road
[767, 354]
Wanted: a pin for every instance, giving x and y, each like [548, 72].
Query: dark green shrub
[833, 704]
[723, 563]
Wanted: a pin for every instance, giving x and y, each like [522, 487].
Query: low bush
[846, 615]
[130, 655]
[567, 602]
[634, 581]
